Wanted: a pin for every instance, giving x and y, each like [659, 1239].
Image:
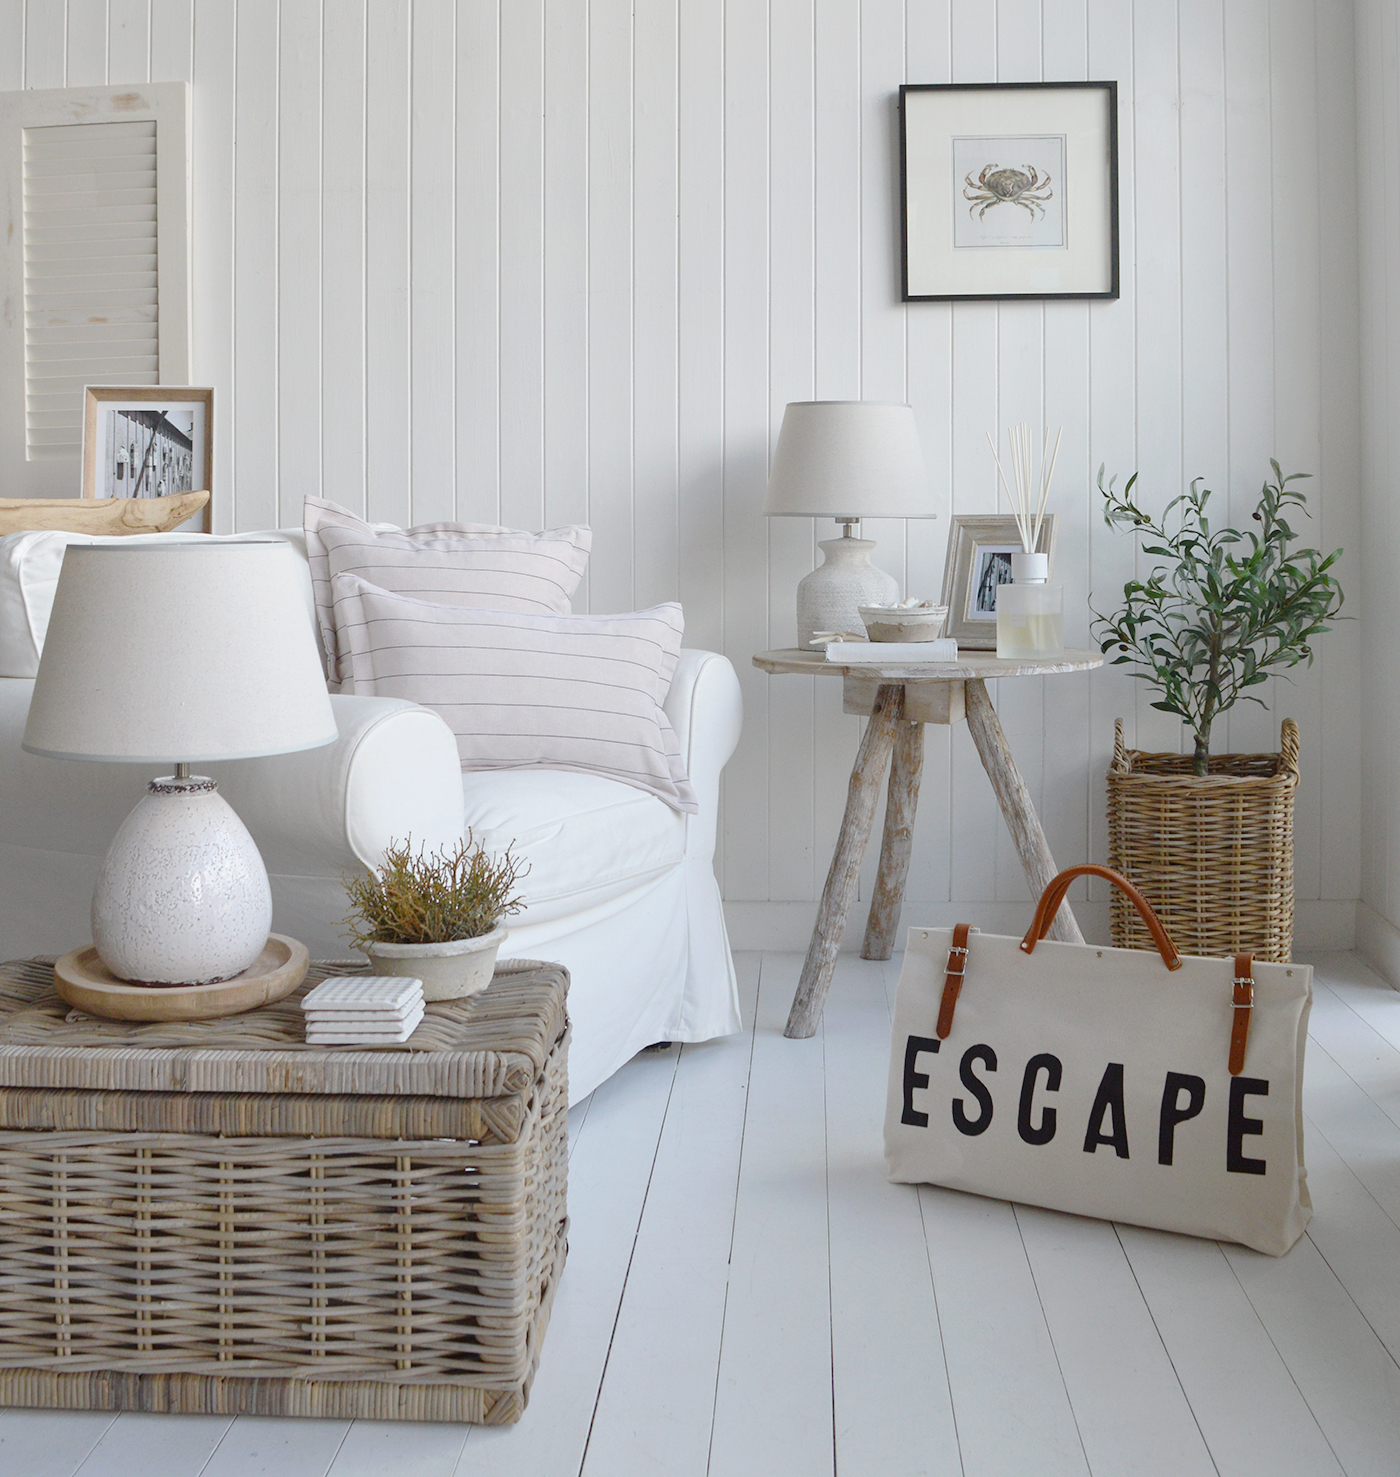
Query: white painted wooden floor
[745, 1294]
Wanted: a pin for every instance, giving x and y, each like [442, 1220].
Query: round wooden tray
[88, 985]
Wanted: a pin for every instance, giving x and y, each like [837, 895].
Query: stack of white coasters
[363, 1010]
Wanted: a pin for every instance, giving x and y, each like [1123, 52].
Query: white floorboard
[38, 1444]
[1132, 1414]
[260, 1446]
[399, 1449]
[656, 1408]
[893, 1409]
[138, 1445]
[747, 1296]
[773, 1414]
[1344, 1372]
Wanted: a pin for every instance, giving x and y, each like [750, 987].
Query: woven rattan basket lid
[491, 1045]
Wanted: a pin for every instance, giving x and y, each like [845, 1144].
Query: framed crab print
[1009, 190]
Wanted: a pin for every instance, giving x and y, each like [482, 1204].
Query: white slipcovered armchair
[621, 887]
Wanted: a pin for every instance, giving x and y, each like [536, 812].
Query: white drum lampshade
[847, 460]
[181, 653]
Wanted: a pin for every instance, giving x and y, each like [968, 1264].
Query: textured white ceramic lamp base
[183, 896]
[829, 598]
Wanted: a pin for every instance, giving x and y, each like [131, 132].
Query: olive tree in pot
[435, 917]
[1209, 838]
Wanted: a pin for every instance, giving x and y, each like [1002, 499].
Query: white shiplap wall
[1378, 136]
[555, 260]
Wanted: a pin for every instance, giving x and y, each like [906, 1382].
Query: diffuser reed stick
[1023, 498]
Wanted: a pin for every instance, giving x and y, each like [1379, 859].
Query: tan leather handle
[1243, 1001]
[1055, 893]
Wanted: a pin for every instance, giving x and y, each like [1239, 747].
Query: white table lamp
[185, 652]
[847, 460]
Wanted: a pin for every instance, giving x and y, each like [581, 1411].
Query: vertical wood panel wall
[1378, 136]
[555, 260]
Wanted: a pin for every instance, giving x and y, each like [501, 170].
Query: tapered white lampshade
[179, 653]
[187, 652]
[848, 459]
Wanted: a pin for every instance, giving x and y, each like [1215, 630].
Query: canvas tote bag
[1144, 1087]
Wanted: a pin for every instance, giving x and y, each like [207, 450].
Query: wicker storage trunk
[1213, 856]
[217, 1217]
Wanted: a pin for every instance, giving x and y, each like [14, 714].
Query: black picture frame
[1110, 206]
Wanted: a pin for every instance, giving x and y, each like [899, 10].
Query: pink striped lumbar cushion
[477, 565]
[520, 691]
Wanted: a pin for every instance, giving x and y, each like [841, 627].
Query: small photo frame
[1009, 190]
[980, 546]
[149, 441]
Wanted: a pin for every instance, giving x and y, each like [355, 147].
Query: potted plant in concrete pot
[435, 917]
[1209, 838]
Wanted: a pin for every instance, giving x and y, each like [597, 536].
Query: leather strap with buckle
[953, 979]
[1244, 1006]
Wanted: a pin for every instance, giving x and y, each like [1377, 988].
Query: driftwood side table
[900, 698]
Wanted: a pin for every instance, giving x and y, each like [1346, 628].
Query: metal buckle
[1245, 1004]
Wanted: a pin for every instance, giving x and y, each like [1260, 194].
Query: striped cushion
[473, 564]
[580, 692]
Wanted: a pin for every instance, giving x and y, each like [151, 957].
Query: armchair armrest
[706, 709]
[393, 770]
[393, 773]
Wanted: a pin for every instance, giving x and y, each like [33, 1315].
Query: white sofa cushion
[521, 691]
[29, 568]
[587, 839]
[476, 565]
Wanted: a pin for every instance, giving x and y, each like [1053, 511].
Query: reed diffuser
[1030, 610]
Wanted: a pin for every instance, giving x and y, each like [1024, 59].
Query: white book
[892, 653]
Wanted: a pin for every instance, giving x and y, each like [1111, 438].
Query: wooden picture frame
[1008, 190]
[148, 441]
[980, 545]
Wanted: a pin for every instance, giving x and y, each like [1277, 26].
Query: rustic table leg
[841, 879]
[906, 769]
[1015, 801]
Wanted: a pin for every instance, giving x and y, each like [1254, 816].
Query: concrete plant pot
[449, 971]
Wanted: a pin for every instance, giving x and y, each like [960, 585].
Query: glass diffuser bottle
[1030, 611]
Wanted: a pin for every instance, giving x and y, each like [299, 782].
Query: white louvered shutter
[98, 250]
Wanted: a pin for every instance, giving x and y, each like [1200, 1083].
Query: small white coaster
[369, 1017]
[350, 1035]
[363, 992]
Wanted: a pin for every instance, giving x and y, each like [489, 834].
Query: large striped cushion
[580, 692]
[473, 564]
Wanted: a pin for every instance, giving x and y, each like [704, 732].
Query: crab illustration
[998, 186]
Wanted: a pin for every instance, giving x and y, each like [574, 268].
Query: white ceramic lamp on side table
[847, 460]
[188, 653]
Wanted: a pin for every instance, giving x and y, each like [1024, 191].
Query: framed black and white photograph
[980, 546]
[1009, 190]
[148, 441]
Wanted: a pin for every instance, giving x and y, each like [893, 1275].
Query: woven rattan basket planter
[1213, 856]
[216, 1217]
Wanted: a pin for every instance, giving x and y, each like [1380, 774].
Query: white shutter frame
[167, 105]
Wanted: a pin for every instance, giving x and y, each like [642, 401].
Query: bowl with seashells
[910, 620]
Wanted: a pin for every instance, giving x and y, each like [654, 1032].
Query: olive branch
[1226, 611]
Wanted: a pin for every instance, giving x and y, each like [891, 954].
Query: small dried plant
[419, 898]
